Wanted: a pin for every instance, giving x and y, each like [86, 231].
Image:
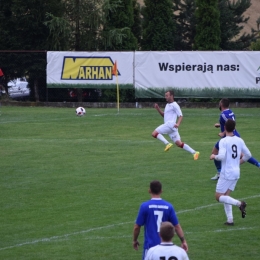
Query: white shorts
[223, 185]
[168, 129]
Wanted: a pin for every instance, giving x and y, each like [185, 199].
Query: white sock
[229, 213]
[161, 138]
[188, 149]
[229, 200]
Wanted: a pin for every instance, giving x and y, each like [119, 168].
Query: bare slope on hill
[254, 13]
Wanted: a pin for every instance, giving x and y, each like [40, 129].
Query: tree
[208, 26]
[22, 27]
[84, 18]
[184, 11]
[59, 32]
[255, 46]
[158, 25]
[7, 26]
[231, 25]
[137, 25]
[120, 20]
[258, 23]
[27, 18]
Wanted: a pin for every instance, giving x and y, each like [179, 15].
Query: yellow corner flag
[115, 72]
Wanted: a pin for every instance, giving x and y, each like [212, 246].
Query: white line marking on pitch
[113, 225]
[214, 204]
[33, 120]
[59, 140]
[206, 231]
[63, 236]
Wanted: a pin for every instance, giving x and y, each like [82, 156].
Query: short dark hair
[167, 231]
[225, 102]
[155, 187]
[230, 125]
[171, 92]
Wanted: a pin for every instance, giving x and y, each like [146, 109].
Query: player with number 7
[151, 214]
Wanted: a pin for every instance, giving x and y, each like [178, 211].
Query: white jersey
[166, 251]
[230, 150]
[171, 112]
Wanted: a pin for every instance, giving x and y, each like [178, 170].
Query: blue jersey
[224, 116]
[151, 214]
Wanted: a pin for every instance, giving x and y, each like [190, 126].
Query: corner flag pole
[115, 72]
[117, 88]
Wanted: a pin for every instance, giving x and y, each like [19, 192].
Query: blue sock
[218, 165]
[253, 161]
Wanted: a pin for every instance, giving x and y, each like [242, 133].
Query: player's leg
[158, 133]
[253, 161]
[217, 163]
[159, 136]
[229, 214]
[177, 140]
[223, 190]
[228, 211]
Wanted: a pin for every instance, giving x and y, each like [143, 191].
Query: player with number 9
[226, 113]
[231, 148]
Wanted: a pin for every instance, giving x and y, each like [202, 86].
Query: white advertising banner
[89, 69]
[198, 73]
[190, 74]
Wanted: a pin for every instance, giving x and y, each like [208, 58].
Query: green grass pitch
[70, 187]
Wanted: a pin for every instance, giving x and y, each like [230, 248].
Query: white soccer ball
[80, 111]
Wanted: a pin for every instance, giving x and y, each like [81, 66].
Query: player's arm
[180, 116]
[222, 121]
[158, 109]
[180, 234]
[221, 153]
[178, 122]
[246, 154]
[217, 125]
[222, 134]
[136, 233]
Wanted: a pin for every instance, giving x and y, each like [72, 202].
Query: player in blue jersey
[151, 214]
[226, 114]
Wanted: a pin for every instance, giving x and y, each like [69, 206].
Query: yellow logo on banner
[87, 68]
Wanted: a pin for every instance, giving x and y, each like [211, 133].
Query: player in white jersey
[230, 150]
[171, 114]
[166, 249]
